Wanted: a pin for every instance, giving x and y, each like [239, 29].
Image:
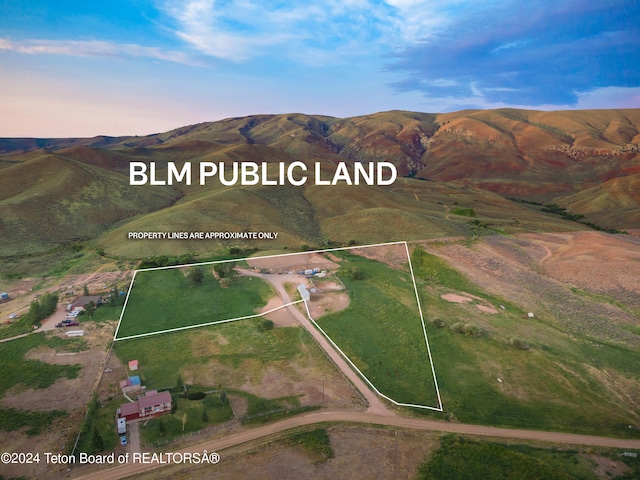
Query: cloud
[94, 48]
[241, 30]
[533, 54]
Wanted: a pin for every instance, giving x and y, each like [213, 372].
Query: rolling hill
[59, 191]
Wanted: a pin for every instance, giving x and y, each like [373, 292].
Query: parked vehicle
[123, 440]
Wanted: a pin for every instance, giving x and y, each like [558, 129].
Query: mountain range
[460, 173]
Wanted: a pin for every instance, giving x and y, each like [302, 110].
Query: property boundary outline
[439, 408]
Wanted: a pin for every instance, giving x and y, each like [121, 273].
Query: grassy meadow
[381, 332]
[164, 299]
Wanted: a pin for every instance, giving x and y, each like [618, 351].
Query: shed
[304, 293]
[133, 365]
[135, 380]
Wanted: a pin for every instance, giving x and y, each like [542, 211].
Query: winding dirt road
[220, 444]
[376, 406]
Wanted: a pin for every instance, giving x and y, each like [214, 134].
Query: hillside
[53, 199]
[57, 192]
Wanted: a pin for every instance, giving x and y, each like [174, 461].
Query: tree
[357, 274]
[265, 325]
[35, 312]
[224, 270]
[205, 415]
[195, 276]
[85, 291]
[179, 384]
[115, 298]
[90, 308]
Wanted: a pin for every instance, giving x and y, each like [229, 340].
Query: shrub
[467, 329]
[471, 330]
[265, 325]
[357, 274]
[457, 327]
[195, 395]
[195, 276]
[438, 323]
[520, 344]
[465, 212]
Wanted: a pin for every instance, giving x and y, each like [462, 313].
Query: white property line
[124, 307]
[269, 256]
[435, 381]
[217, 322]
[424, 329]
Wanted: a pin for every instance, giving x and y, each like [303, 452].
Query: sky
[83, 68]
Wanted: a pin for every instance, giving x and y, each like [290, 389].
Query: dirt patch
[325, 303]
[281, 317]
[608, 264]
[486, 309]
[454, 298]
[292, 263]
[239, 405]
[393, 255]
[607, 468]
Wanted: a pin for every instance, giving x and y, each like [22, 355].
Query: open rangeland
[552, 353]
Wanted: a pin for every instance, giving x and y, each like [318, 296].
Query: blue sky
[72, 68]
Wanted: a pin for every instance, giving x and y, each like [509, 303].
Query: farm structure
[82, 302]
[153, 403]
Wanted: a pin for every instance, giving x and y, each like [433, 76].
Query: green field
[381, 331]
[164, 299]
[562, 382]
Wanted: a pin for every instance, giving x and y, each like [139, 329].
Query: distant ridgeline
[252, 173]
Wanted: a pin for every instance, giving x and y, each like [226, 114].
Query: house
[152, 404]
[82, 302]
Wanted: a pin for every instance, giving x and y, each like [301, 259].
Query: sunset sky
[78, 68]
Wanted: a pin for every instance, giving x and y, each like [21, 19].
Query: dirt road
[376, 406]
[220, 444]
